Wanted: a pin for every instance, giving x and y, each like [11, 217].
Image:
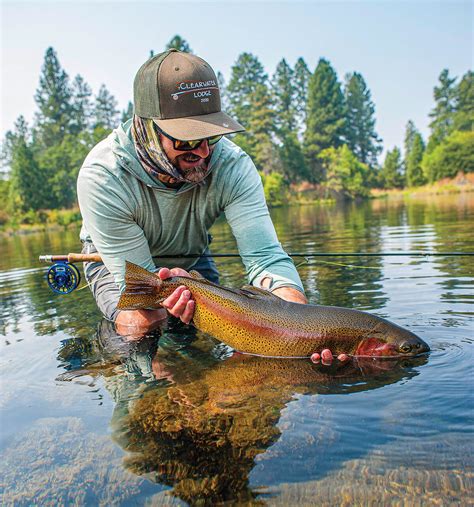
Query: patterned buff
[151, 155]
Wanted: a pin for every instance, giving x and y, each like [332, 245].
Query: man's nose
[202, 150]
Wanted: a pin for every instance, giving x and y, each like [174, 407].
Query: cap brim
[199, 127]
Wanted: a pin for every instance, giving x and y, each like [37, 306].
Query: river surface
[88, 418]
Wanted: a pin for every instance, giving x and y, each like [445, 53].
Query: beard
[192, 174]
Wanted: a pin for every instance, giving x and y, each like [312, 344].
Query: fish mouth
[376, 347]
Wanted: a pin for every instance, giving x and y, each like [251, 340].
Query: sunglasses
[190, 145]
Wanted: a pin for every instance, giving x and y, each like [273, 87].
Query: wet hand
[179, 303]
[327, 358]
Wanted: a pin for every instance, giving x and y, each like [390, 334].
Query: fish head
[390, 340]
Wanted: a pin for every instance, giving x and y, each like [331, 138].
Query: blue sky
[400, 47]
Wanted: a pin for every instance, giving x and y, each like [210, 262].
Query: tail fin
[141, 289]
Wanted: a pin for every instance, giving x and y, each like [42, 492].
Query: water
[89, 419]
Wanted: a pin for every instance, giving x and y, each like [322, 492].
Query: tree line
[302, 126]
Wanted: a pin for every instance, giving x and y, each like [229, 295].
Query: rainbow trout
[255, 321]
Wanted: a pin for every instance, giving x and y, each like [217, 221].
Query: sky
[400, 47]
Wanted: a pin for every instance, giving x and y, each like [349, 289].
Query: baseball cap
[180, 92]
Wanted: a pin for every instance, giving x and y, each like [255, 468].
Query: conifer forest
[305, 126]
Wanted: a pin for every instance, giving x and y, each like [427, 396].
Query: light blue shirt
[129, 215]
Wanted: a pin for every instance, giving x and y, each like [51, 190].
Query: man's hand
[326, 357]
[134, 324]
[179, 304]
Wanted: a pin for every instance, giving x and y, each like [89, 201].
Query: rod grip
[72, 257]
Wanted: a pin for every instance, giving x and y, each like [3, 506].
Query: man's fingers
[164, 273]
[172, 299]
[188, 313]
[326, 357]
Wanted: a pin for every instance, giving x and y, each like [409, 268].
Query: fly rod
[63, 276]
[95, 257]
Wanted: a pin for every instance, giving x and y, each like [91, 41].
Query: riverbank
[460, 184]
[301, 194]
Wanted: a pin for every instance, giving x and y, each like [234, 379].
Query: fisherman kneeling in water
[158, 182]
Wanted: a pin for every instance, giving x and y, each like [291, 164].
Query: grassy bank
[461, 183]
[34, 221]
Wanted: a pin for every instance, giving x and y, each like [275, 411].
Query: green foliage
[325, 116]
[392, 175]
[61, 163]
[464, 115]
[177, 42]
[284, 94]
[275, 188]
[247, 78]
[292, 159]
[251, 103]
[414, 172]
[443, 112]
[410, 132]
[301, 79]
[127, 113]
[27, 180]
[360, 120]
[455, 153]
[105, 110]
[225, 105]
[53, 98]
[81, 107]
[345, 174]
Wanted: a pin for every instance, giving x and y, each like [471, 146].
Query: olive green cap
[180, 92]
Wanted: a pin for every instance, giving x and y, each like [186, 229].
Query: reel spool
[63, 277]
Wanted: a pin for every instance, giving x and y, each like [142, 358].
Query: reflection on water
[177, 418]
[200, 427]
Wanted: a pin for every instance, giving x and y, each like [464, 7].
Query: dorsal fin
[253, 291]
[196, 275]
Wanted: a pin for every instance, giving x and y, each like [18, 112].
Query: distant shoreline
[71, 218]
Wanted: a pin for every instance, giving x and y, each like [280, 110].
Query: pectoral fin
[251, 291]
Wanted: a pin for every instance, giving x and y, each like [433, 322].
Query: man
[156, 185]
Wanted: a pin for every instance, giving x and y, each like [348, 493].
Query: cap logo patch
[200, 89]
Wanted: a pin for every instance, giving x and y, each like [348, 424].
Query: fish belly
[254, 333]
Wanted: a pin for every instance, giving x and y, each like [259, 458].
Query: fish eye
[405, 348]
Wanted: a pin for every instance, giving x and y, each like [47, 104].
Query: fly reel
[63, 277]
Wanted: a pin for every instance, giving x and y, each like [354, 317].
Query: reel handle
[72, 257]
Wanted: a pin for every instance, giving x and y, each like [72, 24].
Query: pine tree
[443, 112]
[410, 132]
[286, 123]
[53, 97]
[325, 116]
[81, 110]
[414, 172]
[127, 113]
[392, 170]
[464, 111]
[247, 75]
[177, 42]
[260, 126]
[105, 111]
[360, 120]
[301, 79]
[284, 95]
[27, 185]
[225, 106]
